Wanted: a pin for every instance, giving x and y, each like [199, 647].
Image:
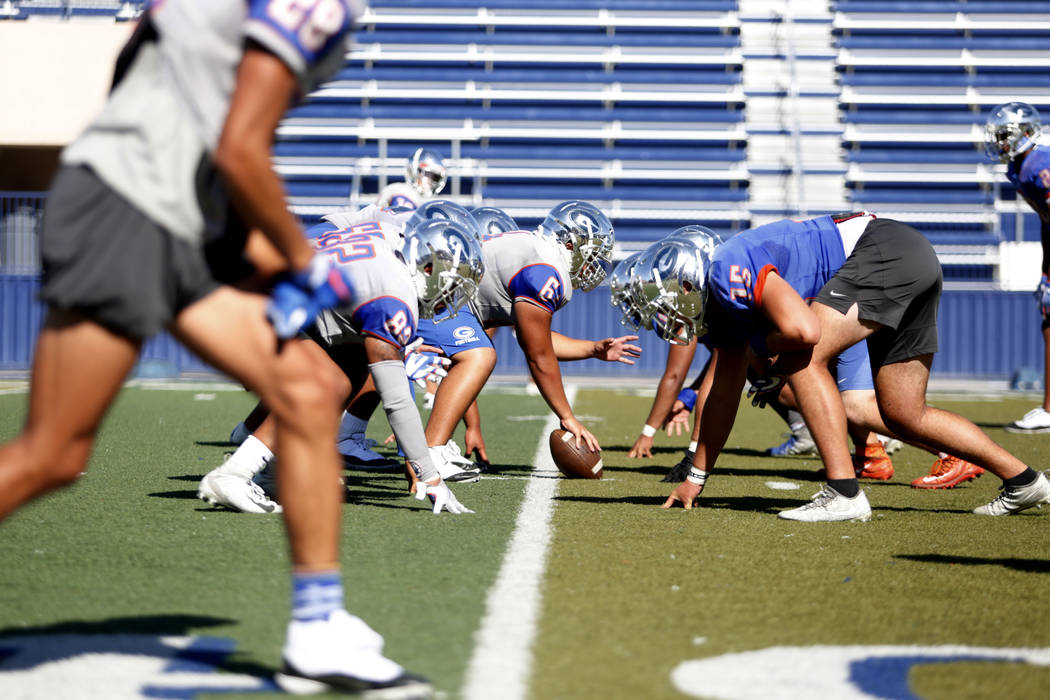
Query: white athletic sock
[795, 421]
[350, 426]
[249, 459]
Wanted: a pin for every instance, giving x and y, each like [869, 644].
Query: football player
[365, 340]
[870, 279]
[1011, 135]
[179, 157]
[425, 178]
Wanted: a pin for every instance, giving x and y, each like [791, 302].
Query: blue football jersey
[804, 253]
[1033, 180]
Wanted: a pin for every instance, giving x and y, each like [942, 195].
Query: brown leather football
[572, 462]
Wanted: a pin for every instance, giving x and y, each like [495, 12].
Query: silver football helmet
[1011, 130]
[704, 238]
[669, 287]
[620, 292]
[443, 210]
[585, 235]
[493, 221]
[426, 172]
[445, 262]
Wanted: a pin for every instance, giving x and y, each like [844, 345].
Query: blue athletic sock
[315, 595]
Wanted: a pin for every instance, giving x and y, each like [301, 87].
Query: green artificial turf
[631, 590]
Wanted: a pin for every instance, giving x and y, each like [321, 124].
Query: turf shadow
[1031, 566]
[214, 443]
[654, 449]
[177, 495]
[631, 500]
[96, 632]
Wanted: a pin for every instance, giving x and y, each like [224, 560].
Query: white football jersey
[391, 223]
[400, 194]
[520, 267]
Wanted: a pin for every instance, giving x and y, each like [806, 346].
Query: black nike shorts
[106, 260]
[895, 278]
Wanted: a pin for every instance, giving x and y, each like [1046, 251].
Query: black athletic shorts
[105, 259]
[894, 277]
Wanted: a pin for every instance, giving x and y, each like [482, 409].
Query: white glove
[426, 367]
[441, 496]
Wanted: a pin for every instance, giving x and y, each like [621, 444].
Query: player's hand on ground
[617, 349]
[440, 496]
[679, 422]
[299, 296]
[686, 493]
[474, 443]
[642, 448]
[581, 434]
[426, 367]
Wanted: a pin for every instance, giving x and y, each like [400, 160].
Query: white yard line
[502, 659]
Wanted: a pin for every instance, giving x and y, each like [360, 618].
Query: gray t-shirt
[151, 142]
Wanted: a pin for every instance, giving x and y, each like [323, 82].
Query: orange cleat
[874, 463]
[947, 473]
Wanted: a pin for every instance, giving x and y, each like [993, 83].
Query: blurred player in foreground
[872, 279]
[1011, 135]
[140, 229]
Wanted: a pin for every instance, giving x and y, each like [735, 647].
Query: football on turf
[574, 463]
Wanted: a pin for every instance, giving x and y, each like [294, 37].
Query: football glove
[441, 496]
[764, 387]
[679, 471]
[426, 367]
[1042, 293]
[298, 297]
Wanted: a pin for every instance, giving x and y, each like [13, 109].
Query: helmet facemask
[445, 262]
[587, 234]
[1011, 130]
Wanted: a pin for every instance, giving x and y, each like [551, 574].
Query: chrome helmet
[426, 172]
[585, 235]
[492, 221]
[1011, 130]
[705, 239]
[443, 210]
[445, 262]
[670, 288]
[620, 289]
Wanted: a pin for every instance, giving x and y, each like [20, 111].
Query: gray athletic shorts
[104, 259]
[895, 279]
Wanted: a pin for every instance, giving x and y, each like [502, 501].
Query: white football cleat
[453, 466]
[342, 653]
[828, 505]
[1034, 422]
[1017, 498]
[235, 492]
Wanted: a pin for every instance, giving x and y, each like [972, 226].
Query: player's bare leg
[901, 391]
[301, 386]
[467, 374]
[67, 401]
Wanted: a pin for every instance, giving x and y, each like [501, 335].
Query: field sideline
[127, 586]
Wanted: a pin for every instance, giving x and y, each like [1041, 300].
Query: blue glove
[688, 398]
[298, 297]
[1042, 293]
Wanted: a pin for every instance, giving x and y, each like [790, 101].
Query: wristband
[692, 445]
[696, 476]
[648, 430]
[688, 398]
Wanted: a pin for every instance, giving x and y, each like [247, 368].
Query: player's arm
[609, 349]
[532, 324]
[386, 365]
[795, 326]
[679, 358]
[264, 90]
[717, 401]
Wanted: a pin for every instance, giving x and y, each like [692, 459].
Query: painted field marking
[502, 658]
